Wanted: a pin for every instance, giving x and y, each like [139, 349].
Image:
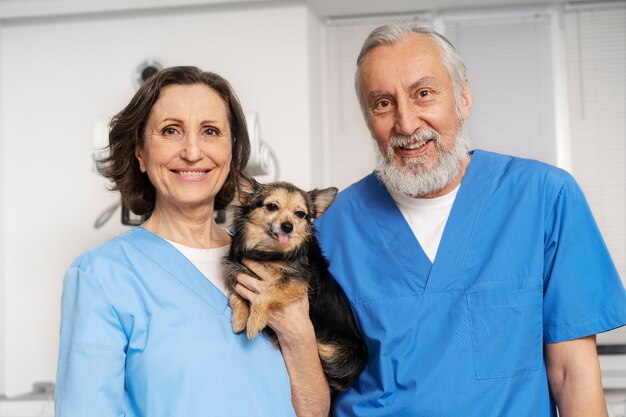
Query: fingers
[245, 292]
[252, 283]
[249, 287]
[256, 267]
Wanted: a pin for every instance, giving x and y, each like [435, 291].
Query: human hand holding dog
[291, 321]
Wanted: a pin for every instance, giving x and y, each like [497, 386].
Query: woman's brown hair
[127, 132]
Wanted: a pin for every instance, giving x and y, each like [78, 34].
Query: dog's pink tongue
[283, 238]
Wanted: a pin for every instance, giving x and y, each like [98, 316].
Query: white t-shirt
[427, 218]
[208, 261]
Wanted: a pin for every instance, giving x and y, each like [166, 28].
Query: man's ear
[465, 106]
[322, 199]
[246, 187]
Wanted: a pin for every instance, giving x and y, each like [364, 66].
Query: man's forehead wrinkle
[378, 93]
[428, 80]
[424, 81]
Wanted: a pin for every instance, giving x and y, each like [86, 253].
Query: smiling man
[479, 280]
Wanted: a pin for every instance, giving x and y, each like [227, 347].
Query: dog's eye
[300, 214]
[271, 207]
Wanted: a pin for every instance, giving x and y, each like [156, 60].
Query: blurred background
[548, 80]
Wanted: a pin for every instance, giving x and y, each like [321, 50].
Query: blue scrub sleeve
[90, 375]
[583, 293]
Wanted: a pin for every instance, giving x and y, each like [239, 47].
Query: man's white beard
[413, 179]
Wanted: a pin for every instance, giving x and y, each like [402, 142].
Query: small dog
[274, 225]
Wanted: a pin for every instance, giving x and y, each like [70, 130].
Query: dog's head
[279, 216]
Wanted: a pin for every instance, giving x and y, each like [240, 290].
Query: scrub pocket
[507, 333]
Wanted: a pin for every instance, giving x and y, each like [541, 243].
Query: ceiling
[331, 8]
[16, 9]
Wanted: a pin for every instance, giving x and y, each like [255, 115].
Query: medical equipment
[146, 69]
[262, 157]
[37, 403]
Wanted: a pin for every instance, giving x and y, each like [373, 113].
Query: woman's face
[187, 146]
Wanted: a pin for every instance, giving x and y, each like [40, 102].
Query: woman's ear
[139, 157]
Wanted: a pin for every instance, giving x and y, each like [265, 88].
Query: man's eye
[382, 106]
[423, 93]
[271, 207]
[300, 214]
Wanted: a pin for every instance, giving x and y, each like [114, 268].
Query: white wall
[60, 75]
[3, 295]
[316, 151]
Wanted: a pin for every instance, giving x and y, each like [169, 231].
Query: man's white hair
[391, 33]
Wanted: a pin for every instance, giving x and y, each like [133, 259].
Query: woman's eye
[271, 207]
[169, 131]
[300, 214]
[212, 131]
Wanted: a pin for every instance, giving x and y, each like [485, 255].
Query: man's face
[407, 90]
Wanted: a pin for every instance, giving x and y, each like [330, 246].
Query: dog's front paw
[241, 312]
[256, 322]
[239, 321]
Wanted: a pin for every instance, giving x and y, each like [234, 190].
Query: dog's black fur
[301, 265]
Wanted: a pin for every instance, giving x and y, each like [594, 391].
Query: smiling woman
[146, 327]
[186, 151]
[131, 129]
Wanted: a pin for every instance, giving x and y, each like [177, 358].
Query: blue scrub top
[144, 333]
[521, 263]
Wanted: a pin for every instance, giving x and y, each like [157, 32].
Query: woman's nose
[191, 150]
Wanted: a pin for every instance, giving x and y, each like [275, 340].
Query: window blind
[510, 72]
[595, 38]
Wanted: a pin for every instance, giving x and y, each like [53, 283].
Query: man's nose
[408, 118]
[191, 150]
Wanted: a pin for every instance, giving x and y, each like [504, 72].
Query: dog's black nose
[286, 227]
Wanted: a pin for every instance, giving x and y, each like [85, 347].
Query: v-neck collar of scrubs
[443, 274]
[180, 268]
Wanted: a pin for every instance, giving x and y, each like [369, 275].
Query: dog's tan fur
[253, 317]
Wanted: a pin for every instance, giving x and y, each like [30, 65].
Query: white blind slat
[596, 66]
[509, 66]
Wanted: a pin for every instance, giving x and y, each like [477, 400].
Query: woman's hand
[291, 322]
[310, 393]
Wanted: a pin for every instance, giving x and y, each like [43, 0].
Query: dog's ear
[246, 187]
[322, 199]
